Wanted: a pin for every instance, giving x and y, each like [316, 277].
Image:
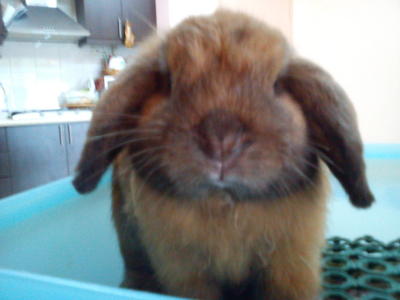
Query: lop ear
[117, 111]
[333, 126]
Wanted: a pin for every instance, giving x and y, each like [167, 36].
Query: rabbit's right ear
[117, 111]
[332, 124]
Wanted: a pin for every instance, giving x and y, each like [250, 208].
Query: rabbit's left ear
[332, 124]
[118, 112]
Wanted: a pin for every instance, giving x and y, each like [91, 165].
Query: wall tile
[20, 96]
[22, 56]
[47, 55]
[23, 78]
[4, 72]
[48, 74]
[4, 67]
[36, 73]
[9, 92]
[23, 65]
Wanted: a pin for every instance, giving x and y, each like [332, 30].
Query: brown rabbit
[219, 136]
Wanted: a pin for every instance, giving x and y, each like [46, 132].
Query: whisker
[316, 148]
[123, 170]
[328, 161]
[304, 176]
[142, 153]
[121, 132]
[149, 160]
[114, 147]
[130, 141]
[125, 118]
[308, 163]
[145, 151]
[319, 145]
[139, 190]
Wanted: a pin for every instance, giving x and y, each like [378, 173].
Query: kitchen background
[358, 41]
[34, 75]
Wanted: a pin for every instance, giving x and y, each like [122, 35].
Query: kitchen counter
[47, 118]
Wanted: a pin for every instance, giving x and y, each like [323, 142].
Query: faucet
[6, 102]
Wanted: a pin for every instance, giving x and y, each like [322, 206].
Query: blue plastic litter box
[57, 244]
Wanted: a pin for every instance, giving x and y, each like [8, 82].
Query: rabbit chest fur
[199, 247]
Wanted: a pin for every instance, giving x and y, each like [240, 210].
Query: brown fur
[197, 245]
[218, 137]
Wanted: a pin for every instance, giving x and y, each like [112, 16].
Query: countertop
[47, 118]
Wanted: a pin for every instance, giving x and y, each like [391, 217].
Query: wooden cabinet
[3, 30]
[5, 184]
[76, 138]
[5, 187]
[105, 19]
[141, 14]
[3, 140]
[37, 154]
[4, 165]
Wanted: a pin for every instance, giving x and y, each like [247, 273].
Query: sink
[26, 116]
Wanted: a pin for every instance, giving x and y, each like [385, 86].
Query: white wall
[180, 9]
[274, 12]
[171, 12]
[358, 42]
[277, 13]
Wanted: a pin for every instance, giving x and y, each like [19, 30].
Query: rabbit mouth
[195, 187]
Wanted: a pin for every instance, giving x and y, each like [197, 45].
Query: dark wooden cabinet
[141, 14]
[3, 30]
[3, 140]
[5, 187]
[4, 165]
[5, 183]
[105, 19]
[76, 137]
[37, 154]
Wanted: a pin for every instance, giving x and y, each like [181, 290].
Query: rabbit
[221, 140]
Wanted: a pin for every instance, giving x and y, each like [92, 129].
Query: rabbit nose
[222, 138]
